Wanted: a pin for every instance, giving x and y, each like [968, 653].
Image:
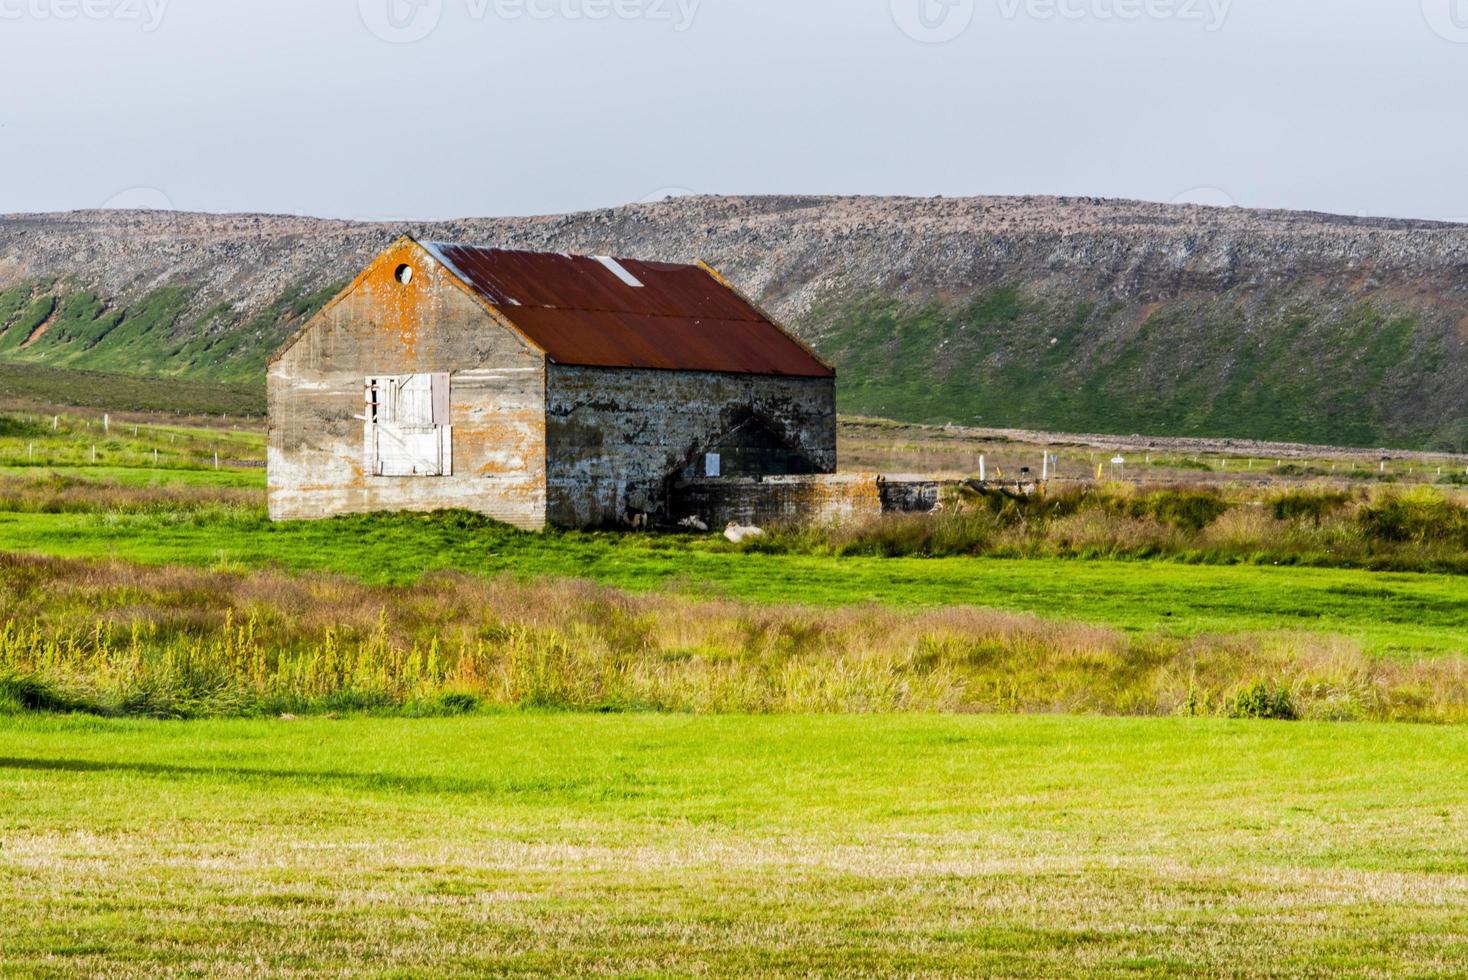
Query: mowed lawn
[653, 845]
[1387, 613]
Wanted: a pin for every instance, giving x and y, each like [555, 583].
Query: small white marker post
[30, 453]
[106, 423]
[55, 422]
[1045, 468]
[216, 459]
[983, 471]
[94, 452]
[155, 455]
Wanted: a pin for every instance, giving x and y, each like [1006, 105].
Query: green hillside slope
[1066, 314]
[52, 324]
[35, 386]
[1209, 367]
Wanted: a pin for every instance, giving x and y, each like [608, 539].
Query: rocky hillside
[1060, 313]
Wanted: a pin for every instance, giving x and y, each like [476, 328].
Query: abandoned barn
[550, 389]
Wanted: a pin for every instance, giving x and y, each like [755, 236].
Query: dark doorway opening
[751, 448]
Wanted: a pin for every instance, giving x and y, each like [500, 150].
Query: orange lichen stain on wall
[502, 453]
[402, 298]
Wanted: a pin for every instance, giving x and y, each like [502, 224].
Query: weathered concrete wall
[909, 495]
[316, 457]
[614, 436]
[777, 500]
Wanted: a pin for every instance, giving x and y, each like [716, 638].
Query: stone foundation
[797, 499]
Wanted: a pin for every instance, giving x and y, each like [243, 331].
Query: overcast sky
[444, 108]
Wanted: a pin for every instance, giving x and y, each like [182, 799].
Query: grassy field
[829, 756]
[1387, 613]
[1115, 629]
[114, 638]
[133, 445]
[667, 845]
[203, 476]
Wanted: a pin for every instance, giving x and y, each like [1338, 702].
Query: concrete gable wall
[381, 327]
[613, 435]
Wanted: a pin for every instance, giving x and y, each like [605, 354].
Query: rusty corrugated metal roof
[597, 311]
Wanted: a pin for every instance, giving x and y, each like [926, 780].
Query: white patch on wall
[408, 430]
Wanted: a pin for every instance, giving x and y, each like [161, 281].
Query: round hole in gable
[404, 274]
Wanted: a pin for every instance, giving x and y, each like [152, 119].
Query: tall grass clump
[49, 492]
[114, 638]
[1422, 518]
[1421, 529]
[1259, 700]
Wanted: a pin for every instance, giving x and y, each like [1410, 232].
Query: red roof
[597, 311]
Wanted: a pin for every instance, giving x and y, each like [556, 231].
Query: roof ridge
[598, 309]
[590, 256]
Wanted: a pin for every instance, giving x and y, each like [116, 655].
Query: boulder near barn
[544, 389]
